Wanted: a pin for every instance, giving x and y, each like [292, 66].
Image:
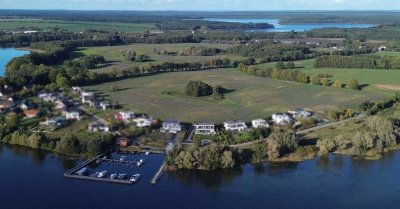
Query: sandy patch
[391, 87]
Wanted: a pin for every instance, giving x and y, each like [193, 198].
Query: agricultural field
[71, 26]
[384, 82]
[249, 97]
[116, 60]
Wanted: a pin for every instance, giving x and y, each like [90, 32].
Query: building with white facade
[259, 123]
[171, 126]
[204, 129]
[235, 126]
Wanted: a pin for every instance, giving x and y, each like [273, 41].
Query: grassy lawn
[72, 26]
[384, 82]
[249, 98]
[116, 60]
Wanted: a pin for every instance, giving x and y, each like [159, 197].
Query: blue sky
[203, 4]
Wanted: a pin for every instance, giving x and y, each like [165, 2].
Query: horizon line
[274, 10]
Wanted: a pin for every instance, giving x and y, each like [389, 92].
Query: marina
[115, 167]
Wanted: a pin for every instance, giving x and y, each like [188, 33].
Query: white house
[72, 115]
[281, 118]
[204, 129]
[259, 123]
[60, 104]
[143, 122]
[90, 100]
[56, 121]
[98, 127]
[235, 126]
[105, 105]
[300, 113]
[87, 93]
[127, 116]
[171, 126]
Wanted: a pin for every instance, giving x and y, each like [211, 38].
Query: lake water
[290, 27]
[6, 55]
[33, 179]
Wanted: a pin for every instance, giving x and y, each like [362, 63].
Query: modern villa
[281, 119]
[204, 129]
[235, 126]
[98, 127]
[143, 122]
[259, 123]
[300, 113]
[171, 126]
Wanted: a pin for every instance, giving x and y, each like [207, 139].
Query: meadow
[115, 59]
[249, 97]
[384, 82]
[75, 26]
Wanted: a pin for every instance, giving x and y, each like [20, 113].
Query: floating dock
[72, 173]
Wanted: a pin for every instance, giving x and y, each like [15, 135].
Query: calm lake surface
[6, 55]
[290, 27]
[33, 179]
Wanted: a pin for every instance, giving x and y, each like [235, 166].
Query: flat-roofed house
[300, 113]
[259, 123]
[143, 122]
[204, 129]
[235, 126]
[281, 119]
[171, 126]
[72, 115]
[98, 127]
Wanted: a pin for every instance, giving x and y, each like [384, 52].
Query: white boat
[102, 174]
[113, 176]
[95, 174]
[140, 163]
[123, 158]
[147, 153]
[135, 178]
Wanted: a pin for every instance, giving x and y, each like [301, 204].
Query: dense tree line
[86, 62]
[364, 62]
[270, 52]
[208, 158]
[199, 51]
[378, 133]
[279, 74]
[210, 25]
[67, 143]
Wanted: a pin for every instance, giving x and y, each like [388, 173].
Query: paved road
[358, 117]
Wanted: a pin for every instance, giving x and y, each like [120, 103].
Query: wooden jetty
[159, 173]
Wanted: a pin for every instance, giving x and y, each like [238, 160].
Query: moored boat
[135, 178]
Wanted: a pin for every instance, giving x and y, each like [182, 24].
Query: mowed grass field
[71, 26]
[385, 82]
[115, 59]
[250, 97]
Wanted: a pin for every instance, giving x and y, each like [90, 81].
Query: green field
[384, 82]
[250, 97]
[114, 56]
[71, 26]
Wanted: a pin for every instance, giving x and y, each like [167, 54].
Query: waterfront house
[204, 129]
[98, 127]
[281, 119]
[300, 113]
[143, 122]
[171, 126]
[238, 126]
[72, 115]
[259, 123]
[123, 142]
[55, 121]
[105, 105]
[32, 113]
